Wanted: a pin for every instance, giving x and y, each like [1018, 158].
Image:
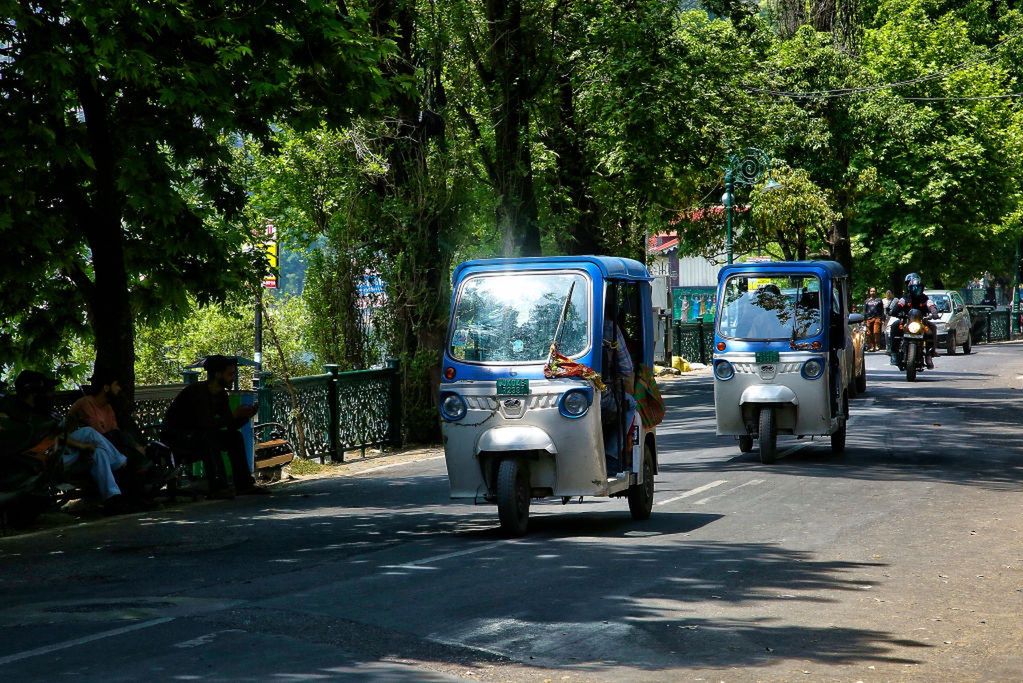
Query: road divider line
[47, 649]
[418, 564]
[697, 490]
[751, 482]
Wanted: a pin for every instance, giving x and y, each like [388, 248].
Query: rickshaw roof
[832, 268]
[610, 267]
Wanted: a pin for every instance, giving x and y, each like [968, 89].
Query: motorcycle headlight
[812, 368]
[452, 407]
[574, 403]
[914, 327]
[724, 370]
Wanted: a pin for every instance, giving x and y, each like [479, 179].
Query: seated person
[29, 426]
[200, 422]
[96, 410]
[620, 375]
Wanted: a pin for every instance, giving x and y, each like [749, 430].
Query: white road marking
[751, 482]
[47, 649]
[395, 464]
[698, 489]
[418, 564]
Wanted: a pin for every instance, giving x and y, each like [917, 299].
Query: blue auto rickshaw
[788, 354]
[533, 397]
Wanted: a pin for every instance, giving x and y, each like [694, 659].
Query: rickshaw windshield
[512, 317]
[770, 307]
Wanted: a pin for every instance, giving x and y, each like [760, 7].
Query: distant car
[954, 324]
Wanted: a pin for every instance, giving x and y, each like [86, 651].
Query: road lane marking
[751, 482]
[47, 649]
[418, 564]
[395, 464]
[698, 489]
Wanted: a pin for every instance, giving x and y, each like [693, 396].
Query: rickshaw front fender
[501, 439]
[768, 393]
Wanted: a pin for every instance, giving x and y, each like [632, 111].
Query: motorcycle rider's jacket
[920, 302]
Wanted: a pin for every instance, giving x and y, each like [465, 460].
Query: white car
[954, 322]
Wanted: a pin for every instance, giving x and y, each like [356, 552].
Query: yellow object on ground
[680, 364]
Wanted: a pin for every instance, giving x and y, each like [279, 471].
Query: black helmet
[914, 284]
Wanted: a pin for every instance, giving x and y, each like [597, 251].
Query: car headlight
[452, 407]
[914, 327]
[575, 402]
[812, 368]
[724, 370]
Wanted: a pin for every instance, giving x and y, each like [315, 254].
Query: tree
[797, 216]
[116, 131]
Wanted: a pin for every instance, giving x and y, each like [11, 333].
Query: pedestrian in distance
[874, 313]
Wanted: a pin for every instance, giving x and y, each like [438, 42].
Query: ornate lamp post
[747, 169]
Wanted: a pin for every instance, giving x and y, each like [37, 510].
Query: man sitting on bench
[200, 424]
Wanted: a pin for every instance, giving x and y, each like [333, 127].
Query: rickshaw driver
[621, 377]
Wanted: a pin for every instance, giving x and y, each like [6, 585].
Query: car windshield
[942, 301]
[770, 307]
[512, 317]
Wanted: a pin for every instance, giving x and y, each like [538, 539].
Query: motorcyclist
[913, 297]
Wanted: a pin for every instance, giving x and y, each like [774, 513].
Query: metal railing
[989, 325]
[693, 341]
[330, 414]
[326, 415]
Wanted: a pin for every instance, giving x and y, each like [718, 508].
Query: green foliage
[164, 350]
[114, 151]
[796, 216]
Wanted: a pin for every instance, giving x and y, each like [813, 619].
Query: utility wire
[844, 92]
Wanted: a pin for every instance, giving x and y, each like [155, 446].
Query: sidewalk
[86, 512]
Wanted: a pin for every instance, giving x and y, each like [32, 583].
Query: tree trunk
[109, 301]
[582, 232]
[510, 59]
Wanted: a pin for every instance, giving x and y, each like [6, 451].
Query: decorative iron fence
[989, 325]
[325, 415]
[693, 341]
[998, 328]
[329, 414]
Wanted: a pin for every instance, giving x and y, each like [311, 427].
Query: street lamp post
[743, 169]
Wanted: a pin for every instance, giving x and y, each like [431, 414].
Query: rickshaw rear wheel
[745, 444]
[513, 496]
[768, 438]
[641, 496]
[861, 381]
[838, 438]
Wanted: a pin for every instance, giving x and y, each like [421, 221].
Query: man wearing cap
[200, 422]
[29, 426]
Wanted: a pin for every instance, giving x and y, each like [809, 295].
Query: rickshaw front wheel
[641, 496]
[513, 496]
[745, 444]
[768, 438]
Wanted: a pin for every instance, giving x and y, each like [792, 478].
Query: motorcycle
[910, 344]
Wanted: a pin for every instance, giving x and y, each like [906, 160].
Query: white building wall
[695, 271]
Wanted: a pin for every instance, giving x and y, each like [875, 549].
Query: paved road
[901, 560]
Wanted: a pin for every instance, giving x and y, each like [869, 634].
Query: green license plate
[513, 387]
[767, 356]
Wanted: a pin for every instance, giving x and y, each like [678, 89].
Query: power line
[844, 92]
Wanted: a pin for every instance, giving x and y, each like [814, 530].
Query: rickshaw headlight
[575, 403]
[452, 407]
[813, 368]
[724, 370]
[914, 327]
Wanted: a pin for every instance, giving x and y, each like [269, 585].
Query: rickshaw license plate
[767, 357]
[513, 387]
